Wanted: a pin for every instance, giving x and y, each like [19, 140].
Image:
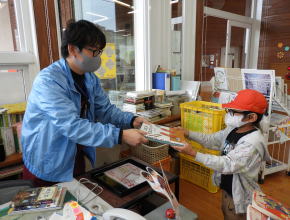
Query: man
[68, 114]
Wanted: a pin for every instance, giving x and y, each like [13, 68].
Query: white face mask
[234, 120]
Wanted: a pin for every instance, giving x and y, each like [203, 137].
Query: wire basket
[151, 152]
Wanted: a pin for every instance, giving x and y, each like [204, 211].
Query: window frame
[252, 23]
[27, 58]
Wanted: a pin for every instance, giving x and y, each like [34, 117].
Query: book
[127, 174]
[8, 140]
[10, 171]
[38, 199]
[270, 206]
[162, 134]
[139, 94]
[254, 214]
[228, 79]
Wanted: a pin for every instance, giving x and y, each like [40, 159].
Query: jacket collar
[71, 80]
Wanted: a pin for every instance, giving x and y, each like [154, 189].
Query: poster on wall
[108, 67]
[260, 80]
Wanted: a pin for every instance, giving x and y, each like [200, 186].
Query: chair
[9, 188]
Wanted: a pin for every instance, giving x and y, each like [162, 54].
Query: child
[243, 149]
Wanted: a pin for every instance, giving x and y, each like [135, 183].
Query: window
[229, 28]
[9, 38]
[241, 7]
[12, 84]
[18, 63]
[115, 18]
[176, 35]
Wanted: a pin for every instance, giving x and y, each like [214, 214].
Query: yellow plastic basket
[201, 116]
[204, 117]
[196, 173]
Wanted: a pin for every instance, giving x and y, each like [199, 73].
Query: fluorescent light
[122, 3]
[174, 1]
[101, 17]
[131, 12]
[120, 30]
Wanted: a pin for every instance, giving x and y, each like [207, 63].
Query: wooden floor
[207, 205]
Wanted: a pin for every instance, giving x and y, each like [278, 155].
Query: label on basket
[163, 134]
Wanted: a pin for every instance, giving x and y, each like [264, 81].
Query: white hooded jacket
[243, 161]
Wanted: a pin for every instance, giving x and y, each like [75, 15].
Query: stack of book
[156, 114]
[38, 199]
[11, 117]
[265, 207]
[137, 101]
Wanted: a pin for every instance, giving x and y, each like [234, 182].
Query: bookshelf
[168, 119]
[11, 160]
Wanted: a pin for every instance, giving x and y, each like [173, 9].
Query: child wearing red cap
[243, 149]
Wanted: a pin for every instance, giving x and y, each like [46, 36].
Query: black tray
[113, 185]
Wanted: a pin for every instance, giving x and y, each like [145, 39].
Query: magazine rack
[277, 134]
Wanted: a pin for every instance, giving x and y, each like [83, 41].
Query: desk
[129, 200]
[159, 213]
[75, 188]
[11, 160]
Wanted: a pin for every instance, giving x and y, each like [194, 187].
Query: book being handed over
[162, 134]
[269, 206]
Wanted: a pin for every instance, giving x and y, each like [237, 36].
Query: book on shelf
[140, 94]
[162, 134]
[8, 140]
[11, 171]
[156, 114]
[38, 199]
[269, 206]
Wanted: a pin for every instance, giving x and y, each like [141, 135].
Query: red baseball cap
[248, 100]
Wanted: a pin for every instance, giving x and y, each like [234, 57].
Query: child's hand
[180, 131]
[187, 149]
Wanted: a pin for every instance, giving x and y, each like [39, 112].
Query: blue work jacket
[52, 125]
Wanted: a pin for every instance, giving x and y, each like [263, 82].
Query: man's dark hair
[82, 33]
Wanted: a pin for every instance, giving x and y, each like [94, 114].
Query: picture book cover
[26, 198]
[47, 194]
[163, 134]
[270, 206]
[38, 199]
[127, 174]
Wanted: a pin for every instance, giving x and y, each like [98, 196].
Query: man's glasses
[96, 52]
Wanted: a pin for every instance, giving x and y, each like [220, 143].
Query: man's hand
[187, 149]
[133, 137]
[138, 122]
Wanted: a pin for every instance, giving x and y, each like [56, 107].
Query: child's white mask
[234, 120]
